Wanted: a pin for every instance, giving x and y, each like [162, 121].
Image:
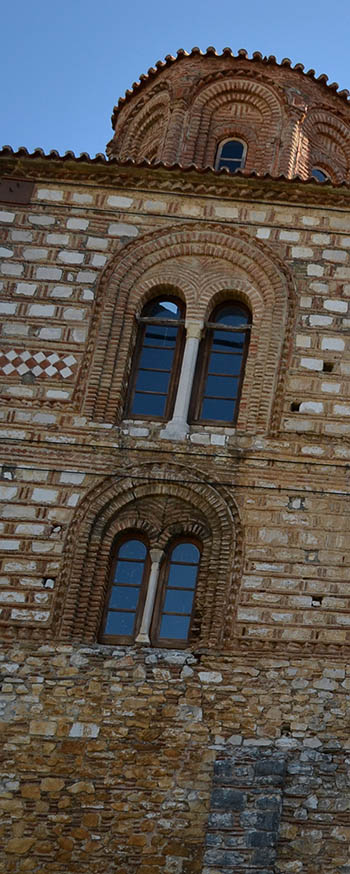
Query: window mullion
[143, 634]
[177, 427]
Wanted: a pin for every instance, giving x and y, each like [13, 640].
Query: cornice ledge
[175, 180]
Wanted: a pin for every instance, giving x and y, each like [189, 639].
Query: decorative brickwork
[288, 122]
[162, 502]
[203, 265]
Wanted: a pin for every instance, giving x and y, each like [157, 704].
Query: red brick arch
[161, 501]
[255, 114]
[327, 145]
[144, 132]
[200, 263]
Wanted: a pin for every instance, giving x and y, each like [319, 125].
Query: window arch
[319, 174]
[157, 359]
[231, 154]
[150, 595]
[221, 361]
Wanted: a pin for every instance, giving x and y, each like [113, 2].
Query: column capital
[194, 328]
[156, 555]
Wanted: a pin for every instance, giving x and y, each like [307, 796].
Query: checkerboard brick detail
[17, 362]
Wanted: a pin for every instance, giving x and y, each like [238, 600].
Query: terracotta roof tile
[53, 155]
[322, 79]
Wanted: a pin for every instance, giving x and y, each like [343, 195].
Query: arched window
[151, 594]
[231, 154]
[319, 174]
[128, 581]
[218, 382]
[157, 359]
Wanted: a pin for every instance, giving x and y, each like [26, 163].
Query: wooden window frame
[201, 373]
[113, 639]
[143, 322]
[220, 147]
[172, 643]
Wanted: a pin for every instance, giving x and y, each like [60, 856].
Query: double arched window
[151, 593]
[231, 154]
[213, 386]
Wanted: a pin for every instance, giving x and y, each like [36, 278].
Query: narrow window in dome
[231, 154]
[221, 362]
[319, 174]
[157, 359]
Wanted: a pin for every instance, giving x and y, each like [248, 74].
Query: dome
[235, 113]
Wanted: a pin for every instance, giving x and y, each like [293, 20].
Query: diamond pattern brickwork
[15, 362]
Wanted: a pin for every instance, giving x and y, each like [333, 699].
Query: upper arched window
[319, 174]
[218, 382]
[157, 359]
[231, 154]
[151, 595]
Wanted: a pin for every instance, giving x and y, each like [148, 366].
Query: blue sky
[66, 64]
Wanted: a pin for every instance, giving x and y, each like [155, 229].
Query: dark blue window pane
[174, 627]
[183, 575]
[178, 602]
[164, 309]
[218, 410]
[230, 364]
[232, 316]
[232, 149]
[227, 342]
[120, 623]
[318, 174]
[160, 335]
[157, 359]
[221, 386]
[186, 552]
[133, 549]
[150, 380]
[148, 405]
[129, 572]
[124, 597]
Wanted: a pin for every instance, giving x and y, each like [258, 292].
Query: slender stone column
[143, 635]
[178, 426]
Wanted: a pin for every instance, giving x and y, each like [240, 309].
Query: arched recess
[163, 502]
[239, 108]
[328, 145]
[203, 264]
[142, 134]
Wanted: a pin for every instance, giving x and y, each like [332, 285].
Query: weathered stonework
[231, 755]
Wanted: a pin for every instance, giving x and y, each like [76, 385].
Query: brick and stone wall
[231, 755]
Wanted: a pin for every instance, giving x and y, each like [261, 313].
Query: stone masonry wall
[151, 760]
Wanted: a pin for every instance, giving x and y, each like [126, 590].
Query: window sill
[206, 435]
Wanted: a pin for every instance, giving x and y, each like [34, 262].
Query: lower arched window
[151, 592]
[220, 370]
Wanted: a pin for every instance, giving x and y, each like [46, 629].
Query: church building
[175, 479]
